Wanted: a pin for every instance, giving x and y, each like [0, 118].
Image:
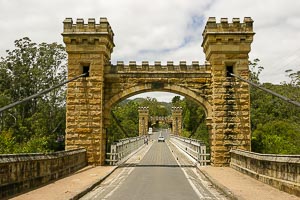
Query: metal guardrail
[195, 148]
[121, 149]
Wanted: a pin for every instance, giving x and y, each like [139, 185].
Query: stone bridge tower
[89, 47]
[143, 120]
[176, 120]
[226, 46]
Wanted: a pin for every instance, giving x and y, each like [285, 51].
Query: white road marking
[204, 182]
[136, 159]
[119, 184]
[187, 176]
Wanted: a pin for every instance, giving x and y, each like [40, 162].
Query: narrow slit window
[229, 71]
[86, 71]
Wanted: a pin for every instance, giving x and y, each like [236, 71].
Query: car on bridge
[161, 139]
[150, 132]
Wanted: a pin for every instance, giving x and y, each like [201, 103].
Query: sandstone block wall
[21, 172]
[279, 171]
[89, 46]
[226, 46]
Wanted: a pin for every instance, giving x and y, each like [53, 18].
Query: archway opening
[124, 119]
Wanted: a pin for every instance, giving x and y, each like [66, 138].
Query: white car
[161, 139]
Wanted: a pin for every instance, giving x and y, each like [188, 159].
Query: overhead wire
[40, 93]
[267, 90]
[287, 59]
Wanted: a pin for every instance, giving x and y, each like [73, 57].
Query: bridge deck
[240, 185]
[158, 175]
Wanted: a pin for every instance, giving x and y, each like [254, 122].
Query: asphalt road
[157, 176]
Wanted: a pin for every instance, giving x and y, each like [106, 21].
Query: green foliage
[35, 125]
[294, 77]
[255, 69]
[6, 142]
[176, 101]
[128, 118]
[277, 137]
[274, 122]
[156, 108]
[194, 124]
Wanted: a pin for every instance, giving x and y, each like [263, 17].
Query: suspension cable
[41, 93]
[118, 124]
[267, 90]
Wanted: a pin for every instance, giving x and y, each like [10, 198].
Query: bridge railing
[21, 172]
[121, 149]
[195, 148]
[279, 171]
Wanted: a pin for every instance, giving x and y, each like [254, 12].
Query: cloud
[162, 30]
[277, 28]
[160, 96]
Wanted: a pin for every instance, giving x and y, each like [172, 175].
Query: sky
[162, 30]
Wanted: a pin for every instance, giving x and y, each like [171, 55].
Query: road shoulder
[242, 186]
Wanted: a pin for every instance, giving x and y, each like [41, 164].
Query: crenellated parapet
[91, 27]
[160, 117]
[144, 110]
[234, 37]
[157, 67]
[177, 110]
[90, 33]
[225, 26]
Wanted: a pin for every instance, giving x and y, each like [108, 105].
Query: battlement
[143, 110]
[162, 118]
[176, 108]
[227, 37]
[157, 67]
[235, 27]
[86, 29]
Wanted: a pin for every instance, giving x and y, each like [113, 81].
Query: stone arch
[138, 89]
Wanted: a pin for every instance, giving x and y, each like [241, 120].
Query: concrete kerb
[218, 185]
[92, 186]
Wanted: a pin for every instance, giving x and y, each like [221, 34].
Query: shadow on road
[173, 166]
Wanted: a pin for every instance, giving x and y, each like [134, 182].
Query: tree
[128, 117]
[294, 76]
[274, 122]
[255, 70]
[30, 68]
[194, 124]
[176, 101]
[277, 137]
[155, 108]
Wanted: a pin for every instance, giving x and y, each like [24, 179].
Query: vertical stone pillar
[226, 46]
[143, 120]
[89, 47]
[176, 120]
